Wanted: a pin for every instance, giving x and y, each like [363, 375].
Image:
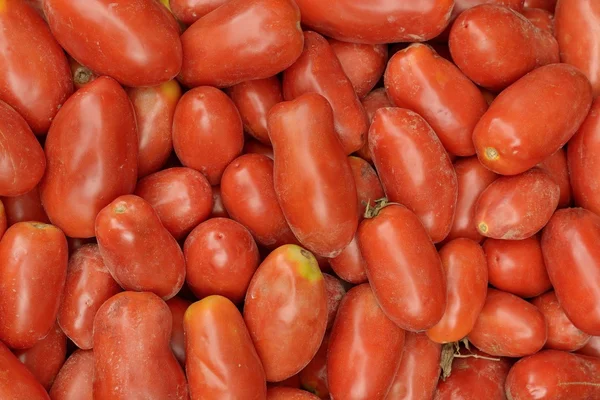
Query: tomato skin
[178, 307]
[556, 166]
[350, 264]
[248, 193]
[591, 348]
[516, 207]
[252, 146]
[335, 292]
[145, 53]
[465, 268]
[33, 267]
[190, 11]
[217, 53]
[419, 370]
[182, 198]
[313, 377]
[368, 186]
[555, 375]
[572, 258]
[286, 294]
[26, 207]
[288, 393]
[368, 369]
[137, 249]
[16, 381]
[419, 79]
[318, 70]
[312, 177]
[540, 18]
[372, 102]
[548, 5]
[22, 160]
[517, 266]
[508, 326]
[509, 141]
[562, 334]
[88, 285]
[221, 257]
[131, 350]
[205, 116]
[414, 168]
[218, 344]
[75, 379]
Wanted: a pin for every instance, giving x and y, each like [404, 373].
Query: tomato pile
[299, 199]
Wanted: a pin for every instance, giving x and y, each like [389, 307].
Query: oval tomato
[190, 11]
[556, 166]
[288, 393]
[178, 307]
[26, 207]
[218, 210]
[335, 292]
[540, 18]
[16, 382]
[75, 379]
[350, 264]
[313, 377]
[368, 186]
[372, 102]
[548, 5]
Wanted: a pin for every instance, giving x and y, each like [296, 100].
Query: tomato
[23, 208]
[218, 210]
[207, 131]
[319, 70]
[419, 370]
[218, 344]
[372, 102]
[548, 5]
[335, 292]
[418, 79]
[22, 160]
[365, 348]
[221, 257]
[178, 307]
[313, 377]
[562, 334]
[249, 195]
[517, 207]
[217, 52]
[556, 166]
[182, 198]
[368, 186]
[286, 295]
[540, 18]
[138, 251]
[463, 5]
[465, 268]
[3, 223]
[572, 257]
[131, 350]
[82, 75]
[555, 375]
[253, 100]
[75, 379]
[88, 286]
[508, 326]
[350, 264]
[33, 267]
[35, 78]
[528, 121]
[16, 382]
[517, 266]
[312, 177]
[495, 46]
[591, 348]
[135, 42]
[190, 11]
[252, 146]
[414, 168]
[287, 393]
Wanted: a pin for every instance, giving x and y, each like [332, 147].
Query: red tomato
[26, 207]
[218, 210]
[572, 257]
[3, 223]
[75, 379]
[138, 251]
[368, 187]
[16, 382]
[219, 345]
[335, 292]
[365, 348]
[414, 168]
[313, 377]
[178, 307]
[372, 102]
[207, 131]
[313, 179]
[82, 75]
[217, 52]
[318, 70]
[33, 267]
[591, 348]
[190, 11]
[556, 166]
[135, 41]
[540, 18]
[286, 295]
[22, 160]
[92, 151]
[462, 5]
[252, 146]
[350, 264]
[528, 122]
[287, 393]
[548, 5]
[508, 326]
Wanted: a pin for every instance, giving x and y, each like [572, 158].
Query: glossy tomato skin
[137, 249]
[312, 177]
[190, 11]
[75, 379]
[313, 377]
[182, 198]
[508, 326]
[288, 393]
[132, 357]
[178, 307]
[286, 294]
[365, 348]
[419, 79]
[318, 70]
[205, 116]
[22, 160]
[92, 152]
[335, 292]
[572, 258]
[145, 53]
[26, 207]
[556, 166]
[33, 267]
[555, 375]
[542, 19]
[372, 102]
[368, 186]
[216, 52]
[509, 140]
[517, 266]
[402, 143]
[35, 78]
[88, 285]
[350, 264]
[154, 108]
[16, 381]
[517, 207]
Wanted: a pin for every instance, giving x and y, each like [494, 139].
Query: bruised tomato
[75, 379]
[16, 382]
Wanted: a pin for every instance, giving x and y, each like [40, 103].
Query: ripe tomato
[335, 292]
[540, 18]
[75, 379]
[313, 377]
[548, 5]
[372, 102]
[350, 264]
[178, 307]
[26, 207]
[368, 186]
[288, 393]
[556, 166]
[190, 11]
[591, 348]
[16, 382]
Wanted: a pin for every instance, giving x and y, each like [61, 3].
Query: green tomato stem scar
[491, 153]
[120, 209]
[483, 228]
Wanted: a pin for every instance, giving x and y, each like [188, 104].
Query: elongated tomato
[16, 382]
[368, 186]
[75, 379]
[557, 167]
[372, 102]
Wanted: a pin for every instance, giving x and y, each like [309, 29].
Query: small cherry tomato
[75, 379]
[16, 382]
[178, 307]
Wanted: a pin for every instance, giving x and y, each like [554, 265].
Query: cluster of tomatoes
[299, 199]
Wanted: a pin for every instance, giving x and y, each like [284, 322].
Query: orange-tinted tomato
[313, 377]
[335, 292]
[178, 307]
[368, 187]
[16, 382]
[190, 11]
[218, 210]
[591, 348]
[252, 146]
[82, 75]
[75, 379]
[556, 166]
[372, 102]
[288, 393]
[350, 264]
[26, 207]
[542, 19]
[548, 5]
